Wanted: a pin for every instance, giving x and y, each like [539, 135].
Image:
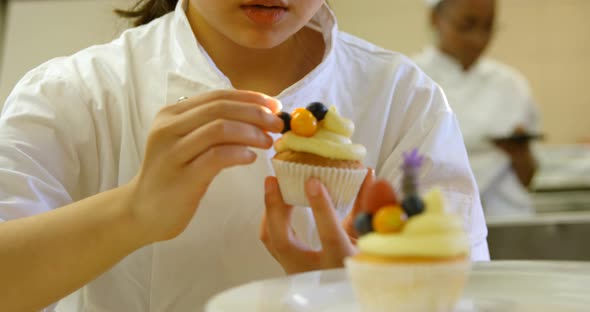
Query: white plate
[496, 286]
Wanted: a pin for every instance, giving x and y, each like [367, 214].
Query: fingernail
[267, 110]
[278, 123]
[252, 155]
[313, 187]
[279, 106]
[275, 123]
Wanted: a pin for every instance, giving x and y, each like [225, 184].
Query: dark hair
[145, 11]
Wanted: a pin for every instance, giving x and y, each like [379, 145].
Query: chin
[260, 40]
[470, 59]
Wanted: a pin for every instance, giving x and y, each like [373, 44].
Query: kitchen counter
[548, 236]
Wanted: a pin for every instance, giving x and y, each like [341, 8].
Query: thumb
[278, 214]
[332, 236]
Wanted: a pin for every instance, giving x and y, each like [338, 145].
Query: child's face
[257, 23]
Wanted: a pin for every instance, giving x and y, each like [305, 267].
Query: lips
[265, 12]
[266, 3]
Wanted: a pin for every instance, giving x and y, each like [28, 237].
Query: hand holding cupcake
[316, 143]
[316, 165]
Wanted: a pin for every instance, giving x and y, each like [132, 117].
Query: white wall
[37, 31]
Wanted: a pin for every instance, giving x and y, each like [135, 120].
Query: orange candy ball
[297, 110]
[389, 219]
[303, 123]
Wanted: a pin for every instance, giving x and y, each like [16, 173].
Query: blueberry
[413, 205]
[363, 223]
[318, 110]
[286, 117]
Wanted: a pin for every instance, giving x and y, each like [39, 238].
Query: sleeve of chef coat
[431, 126]
[529, 114]
[39, 160]
[532, 119]
[525, 105]
[487, 161]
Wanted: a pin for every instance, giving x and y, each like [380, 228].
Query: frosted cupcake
[316, 143]
[414, 256]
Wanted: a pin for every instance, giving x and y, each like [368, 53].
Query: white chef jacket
[490, 100]
[77, 126]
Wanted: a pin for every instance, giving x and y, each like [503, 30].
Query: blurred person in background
[493, 103]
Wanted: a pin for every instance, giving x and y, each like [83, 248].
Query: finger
[219, 132]
[279, 219]
[208, 165]
[380, 193]
[265, 236]
[230, 95]
[332, 236]
[199, 116]
[519, 129]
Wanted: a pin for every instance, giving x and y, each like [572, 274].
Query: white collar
[448, 64]
[195, 64]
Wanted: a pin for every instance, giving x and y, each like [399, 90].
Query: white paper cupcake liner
[420, 287]
[343, 184]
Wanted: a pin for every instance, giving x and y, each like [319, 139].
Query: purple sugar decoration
[412, 162]
[413, 159]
